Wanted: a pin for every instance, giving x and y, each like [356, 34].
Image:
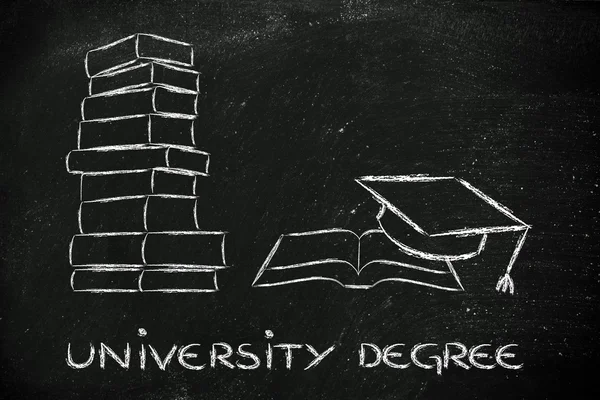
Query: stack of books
[141, 173]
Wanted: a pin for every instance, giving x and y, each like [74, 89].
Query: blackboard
[300, 99]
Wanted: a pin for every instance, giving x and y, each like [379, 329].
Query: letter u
[75, 365]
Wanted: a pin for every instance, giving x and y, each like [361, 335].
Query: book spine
[150, 213]
[188, 159]
[107, 250]
[152, 181]
[115, 55]
[127, 280]
[132, 77]
[125, 52]
[158, 48]
[135, 158]
[136, 130]
[190, 249]
[153, 100]
[106, 280]
[174, 249]
[114, 132]
[172, 76]
[175, 101]
[145, 75]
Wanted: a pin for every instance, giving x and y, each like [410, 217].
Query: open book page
[340, 256]
[329, 255]
[382, 261]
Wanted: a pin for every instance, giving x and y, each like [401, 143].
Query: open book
[351, 260]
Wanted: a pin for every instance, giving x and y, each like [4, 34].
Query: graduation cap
[441, 218]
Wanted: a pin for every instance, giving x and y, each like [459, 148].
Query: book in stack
[141, 173]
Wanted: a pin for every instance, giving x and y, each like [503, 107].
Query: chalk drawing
[426, 225]
[136, 155]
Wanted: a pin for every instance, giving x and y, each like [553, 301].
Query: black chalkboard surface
[294, 102]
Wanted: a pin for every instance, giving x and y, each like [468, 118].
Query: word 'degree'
[220, 354]
[420, 355]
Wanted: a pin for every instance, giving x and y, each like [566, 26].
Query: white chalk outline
[141, 61]
[323, 278]
[145, 214]
[148, 141]
[152, 180]
[151, 81]
[178, 171]
[430, 256]
[143, 250]
[147, 198]
[166, 149]
[142, 271]
[110, 119]
[505, 283]
[72, 280]
[142, 146]
[195, 212]
[425, 178]
[141, 196]
[107, 46]
[154, 89]
[136, 56]
[153, 190]
[180, 271]
[357, 268]
[193, 133]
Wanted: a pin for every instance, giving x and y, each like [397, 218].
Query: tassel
[505, 283]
